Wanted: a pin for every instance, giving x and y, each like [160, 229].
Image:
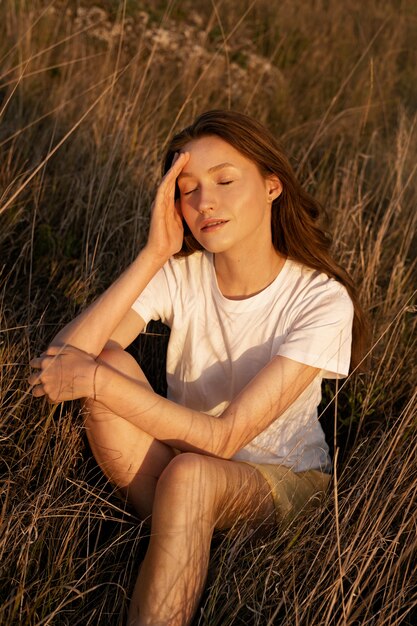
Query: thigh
[245, 495]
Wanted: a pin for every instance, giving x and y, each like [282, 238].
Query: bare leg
[195, 494]
[130, 458]
[188, 495]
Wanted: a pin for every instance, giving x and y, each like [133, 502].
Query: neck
[240, 277]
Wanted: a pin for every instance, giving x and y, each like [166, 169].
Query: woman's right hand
[166, 231]
[111, 312]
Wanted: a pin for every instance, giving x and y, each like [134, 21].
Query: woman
[236, 265]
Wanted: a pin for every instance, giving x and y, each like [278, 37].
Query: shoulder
[313, 283]
[187, 267]
[312, 290]
[195, 260]
[188, 274]
[320, 322]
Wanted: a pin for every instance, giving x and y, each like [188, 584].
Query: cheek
[184, 208]
[187, 213]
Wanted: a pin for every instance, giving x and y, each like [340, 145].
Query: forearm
[178, 426]
[261, 402]
[90, 330]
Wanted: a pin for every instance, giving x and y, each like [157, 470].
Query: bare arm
[69, 374]
[109, 316]
[266, 397]
[91, 330]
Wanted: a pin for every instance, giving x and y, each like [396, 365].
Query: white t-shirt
[218, 345]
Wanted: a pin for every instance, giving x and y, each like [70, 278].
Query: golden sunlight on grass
[88, 96]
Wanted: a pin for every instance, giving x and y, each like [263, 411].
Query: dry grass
[87, 99]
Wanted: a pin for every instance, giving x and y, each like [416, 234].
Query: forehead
[207, 152]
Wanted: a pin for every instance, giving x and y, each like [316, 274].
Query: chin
[214, 248]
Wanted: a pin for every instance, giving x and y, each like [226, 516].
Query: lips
[212, 223]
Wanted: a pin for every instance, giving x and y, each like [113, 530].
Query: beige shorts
[293, 491]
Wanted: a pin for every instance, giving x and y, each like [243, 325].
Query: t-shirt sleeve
[156, 300]
[321, 333]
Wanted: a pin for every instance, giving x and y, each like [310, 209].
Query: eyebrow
[215, 168]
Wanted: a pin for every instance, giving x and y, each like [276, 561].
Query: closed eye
[222, 182]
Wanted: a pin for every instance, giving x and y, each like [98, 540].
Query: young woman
[238, 268]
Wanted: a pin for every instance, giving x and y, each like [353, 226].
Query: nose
[206, 202]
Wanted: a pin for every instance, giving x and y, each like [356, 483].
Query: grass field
[89, 94]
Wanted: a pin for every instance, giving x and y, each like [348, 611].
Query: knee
[119, 359]
[185, 479]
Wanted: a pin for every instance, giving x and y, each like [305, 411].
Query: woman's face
[224, 199]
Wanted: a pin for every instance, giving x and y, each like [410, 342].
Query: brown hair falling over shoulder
[295, 221]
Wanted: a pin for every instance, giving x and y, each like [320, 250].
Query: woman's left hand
[66, 373]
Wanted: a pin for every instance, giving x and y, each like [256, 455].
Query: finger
[52, 400]
[167, 184]
[42, 359]
[53, 350]
[178, 207]
[38, 391]
[176, 166]
[166, 188]
[36, 362]
[43, 362]
[34, 379]
[183, 158]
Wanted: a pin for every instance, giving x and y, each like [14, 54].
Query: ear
[273, 187]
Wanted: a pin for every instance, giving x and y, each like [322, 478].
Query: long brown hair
[296, 232]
